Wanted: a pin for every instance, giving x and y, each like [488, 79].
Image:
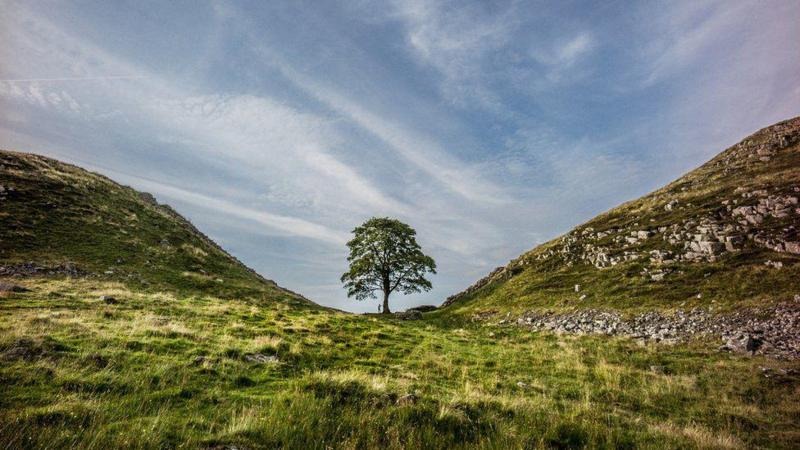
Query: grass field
[160, 370]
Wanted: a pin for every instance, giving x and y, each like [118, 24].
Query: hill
[723, 238]
[116, 333]
[59, 219]
[735, 218]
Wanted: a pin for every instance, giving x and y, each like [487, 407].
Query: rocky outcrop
[714, 212]
[499, 273]
[33, 269]
[772, 331]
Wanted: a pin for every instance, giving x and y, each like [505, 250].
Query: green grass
[60, 213]
[162, 370]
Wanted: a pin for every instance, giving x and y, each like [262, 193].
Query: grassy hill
[60, 219]
[116, 333]
[725, 235]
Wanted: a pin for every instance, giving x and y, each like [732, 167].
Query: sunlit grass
[163, 370]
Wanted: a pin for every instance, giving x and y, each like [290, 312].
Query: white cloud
[291, 226]
[455, 39]
[421, 151]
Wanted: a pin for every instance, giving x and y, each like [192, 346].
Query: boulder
[8, 287]
[422, 308]
[260, 358]
[409, 315]
[408, 399]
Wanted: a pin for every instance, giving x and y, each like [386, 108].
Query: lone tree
[385, 256]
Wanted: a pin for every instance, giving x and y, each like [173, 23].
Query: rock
[408, 399]
[260, 358]
[98, 360]
[792, 247]
[577, 288]
[409, 315]
[771, 331]
[752, 344]
[657, 369]
[8, 287]
[521, 385]
[33, 269]
[422, 308]
[109, 300]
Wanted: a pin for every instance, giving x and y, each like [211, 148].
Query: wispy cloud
[289, 226]
[488, 126]
[99, 78]
[456, 39]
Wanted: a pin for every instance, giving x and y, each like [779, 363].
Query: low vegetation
[92, 364]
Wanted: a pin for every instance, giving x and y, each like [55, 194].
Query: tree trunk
[386, 303]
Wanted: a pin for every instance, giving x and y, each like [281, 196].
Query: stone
[422, 308]
[409, 315]
[260, 358]
[408, 399]
[577, 288]
[774, 264]
[792, 247]
[8, 287]
[752, 344]
[108, 300]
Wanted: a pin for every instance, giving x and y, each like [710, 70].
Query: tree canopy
[385, 257]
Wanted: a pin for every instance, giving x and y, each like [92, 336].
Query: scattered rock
[408, 399]
[199, 360]
[8, 287]
[32, 269]
[422, 308]
[770, 331]
[260, 358]
[108, 300]
[33, 349]
[409, 315]
[98, 360]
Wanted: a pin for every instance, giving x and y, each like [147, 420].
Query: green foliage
[385, 256]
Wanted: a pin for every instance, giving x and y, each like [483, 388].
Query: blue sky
[490, 127]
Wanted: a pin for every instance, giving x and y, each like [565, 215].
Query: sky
[488, 126]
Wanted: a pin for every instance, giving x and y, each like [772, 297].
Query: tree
[385, 257]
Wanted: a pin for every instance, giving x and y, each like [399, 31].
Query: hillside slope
[58, 219]
[723, 236]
